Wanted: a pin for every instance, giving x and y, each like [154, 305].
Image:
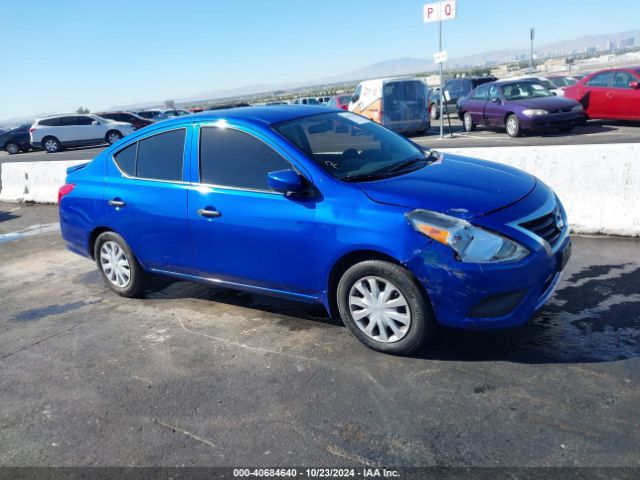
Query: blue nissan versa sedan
[321, 205]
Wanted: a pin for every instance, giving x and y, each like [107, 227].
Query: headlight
[535, 112]
[577, 108]
[472, 244]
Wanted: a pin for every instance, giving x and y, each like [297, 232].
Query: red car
[340, 101]
[128, 117]
[609, 94]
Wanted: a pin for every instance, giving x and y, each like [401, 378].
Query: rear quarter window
[50, 122]
[126, 159]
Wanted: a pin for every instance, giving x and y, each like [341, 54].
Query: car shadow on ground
[593, 317]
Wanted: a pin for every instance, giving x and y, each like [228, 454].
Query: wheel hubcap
[511, 125]
[51, 146]
[115, 264]
[379, 309]
[12, 148]
[467, 121]
[113, 137]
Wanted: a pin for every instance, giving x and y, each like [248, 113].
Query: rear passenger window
[232, 158]
[601, 80]
[160, 157]
[126, 159]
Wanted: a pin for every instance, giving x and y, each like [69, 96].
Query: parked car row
[537, 104]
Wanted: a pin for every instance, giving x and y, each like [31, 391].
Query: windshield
[351, 147]
[524, 90]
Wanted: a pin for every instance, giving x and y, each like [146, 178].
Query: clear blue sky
[58, 55]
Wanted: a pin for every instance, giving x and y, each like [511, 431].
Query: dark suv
[136, 120]
[16, 140]
[458, 88]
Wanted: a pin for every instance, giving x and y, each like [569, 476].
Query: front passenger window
[232, 158]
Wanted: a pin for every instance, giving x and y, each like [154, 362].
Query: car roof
[266, 115]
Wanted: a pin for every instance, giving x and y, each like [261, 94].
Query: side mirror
[554, 94]
[354, 99]
[635, 85]
[286, 181]
[95, 122]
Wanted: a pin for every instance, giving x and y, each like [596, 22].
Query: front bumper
[553, 121]
[498, 295]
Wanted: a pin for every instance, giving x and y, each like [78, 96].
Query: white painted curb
[599, 185]
[33, 181]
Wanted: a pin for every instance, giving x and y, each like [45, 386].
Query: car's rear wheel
[12, 148]
[467, 120]
[513, 126]
[113, 136]
[434, 111]
[51, 144]
[118, 265]
[383, 306]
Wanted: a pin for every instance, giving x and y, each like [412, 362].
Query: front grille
[546, 227]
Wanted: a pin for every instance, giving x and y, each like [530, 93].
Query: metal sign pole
[441, 89]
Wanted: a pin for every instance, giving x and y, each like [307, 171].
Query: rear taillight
[32, 129]
[64, 190]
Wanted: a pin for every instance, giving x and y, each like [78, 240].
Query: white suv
[56, 132]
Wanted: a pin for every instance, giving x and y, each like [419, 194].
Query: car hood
[548, 103]
[460, 186]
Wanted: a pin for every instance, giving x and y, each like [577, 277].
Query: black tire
[434, 111]
[137, 277]
[12, 148]
[467, 121]
[112, 136]
[513, 128]
[51, 145]
[422, 321]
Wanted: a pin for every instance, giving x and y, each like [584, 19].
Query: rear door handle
[208, 212]
[116, 202]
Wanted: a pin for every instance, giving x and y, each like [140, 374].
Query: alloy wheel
[467, 122]
[115, 264]
[379, 309]
[51, 145]
[512, 126]
[113, 137]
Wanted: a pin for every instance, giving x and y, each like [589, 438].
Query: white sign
[440, 57]
[436, 12]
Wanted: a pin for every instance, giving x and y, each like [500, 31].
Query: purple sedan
[518, 105]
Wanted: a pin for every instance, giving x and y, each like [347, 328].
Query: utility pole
[533, 34]
[441, 85]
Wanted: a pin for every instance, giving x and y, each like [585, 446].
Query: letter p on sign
[436, 12]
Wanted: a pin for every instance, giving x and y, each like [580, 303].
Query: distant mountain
[406, 65]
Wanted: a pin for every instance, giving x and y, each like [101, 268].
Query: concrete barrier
[599, 185]
[33, 181]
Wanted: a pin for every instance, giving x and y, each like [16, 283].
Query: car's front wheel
[469, 126]
[383, 306]
[12, 148]
[51, 144]
[119, 268]
[113, 136]
[513, 126]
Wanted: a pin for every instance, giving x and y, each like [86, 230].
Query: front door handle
[116, 202]
[208, 212]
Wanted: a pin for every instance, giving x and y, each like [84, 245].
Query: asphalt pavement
[594, 132]
[195, 375]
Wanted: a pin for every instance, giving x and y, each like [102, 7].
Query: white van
[400, 104]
